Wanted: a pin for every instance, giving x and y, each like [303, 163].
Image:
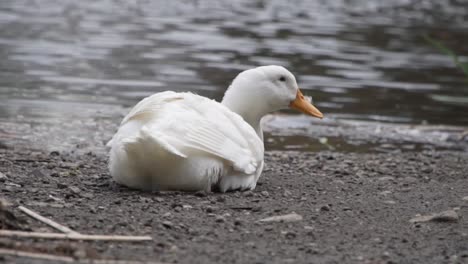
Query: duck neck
[250, 109]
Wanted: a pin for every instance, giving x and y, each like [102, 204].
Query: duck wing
[185, 123]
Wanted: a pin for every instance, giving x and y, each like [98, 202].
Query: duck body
[182, 141]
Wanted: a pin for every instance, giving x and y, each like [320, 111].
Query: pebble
[427, 170]
[87, 195]
[219, 219]
[385, 192]
[61, 185]
[37, 173]
[248, 194]
[54, 153]
[74, 189]
[292, 217]
[410, 180]
[200, 194]
[265, 193]
[325, 208]
[167, 224]
[387, 178]
[3, 177]
[210, 209]
[445, 216]
[257, 209]
[465, 198]
[238, 222]
[290, 235]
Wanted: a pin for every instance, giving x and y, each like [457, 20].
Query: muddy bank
[355, 208]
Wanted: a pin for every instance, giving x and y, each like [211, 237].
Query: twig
[31, 160]
[73, 236]
[241, 208]
[25, 254]
[47, 221]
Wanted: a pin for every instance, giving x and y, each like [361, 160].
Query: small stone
[74, 189]
[3, 177]
[238, 222]
[427, 170]
[159, 199]
[37, 173]
[387, 178]
[200, 194]
[257, 209]
[168, 214]
[61, 185]
[292, 217]
[325, 208]
[410, 180]
[286, 193]
[290, 235]
[167, 224]
[54, 153]
[210, 209]
[265, 193]
[465, 198]
[389, 202]
[87, 195]
[445, 216]
[248, 194]
[385, 192]
[250, 244]
[219, 219]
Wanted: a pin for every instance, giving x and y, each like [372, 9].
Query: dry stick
[26, 254]
[47, 221]
[77, 236]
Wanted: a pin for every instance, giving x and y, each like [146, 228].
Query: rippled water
[360, 59]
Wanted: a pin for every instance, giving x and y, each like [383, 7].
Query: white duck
[183, 141]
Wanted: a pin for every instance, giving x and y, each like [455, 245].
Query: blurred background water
[360, 59]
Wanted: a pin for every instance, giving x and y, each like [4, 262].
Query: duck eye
[282, 79]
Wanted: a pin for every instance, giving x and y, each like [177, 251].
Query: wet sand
[355, 208]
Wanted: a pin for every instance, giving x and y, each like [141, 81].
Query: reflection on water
[360, 59]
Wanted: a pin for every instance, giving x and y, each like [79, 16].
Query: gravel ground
[355, 208]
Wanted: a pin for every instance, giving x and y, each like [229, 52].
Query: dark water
[359, 59]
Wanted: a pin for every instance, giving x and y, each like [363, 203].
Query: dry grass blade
[26, 254]
[47, 221]
[77, 236]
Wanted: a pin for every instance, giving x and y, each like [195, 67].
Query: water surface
[64, 61]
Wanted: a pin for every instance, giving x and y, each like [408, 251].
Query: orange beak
[301, 104]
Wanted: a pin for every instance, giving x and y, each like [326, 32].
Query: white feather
[169, 131]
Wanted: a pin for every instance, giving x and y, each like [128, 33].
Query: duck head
[262, 90]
